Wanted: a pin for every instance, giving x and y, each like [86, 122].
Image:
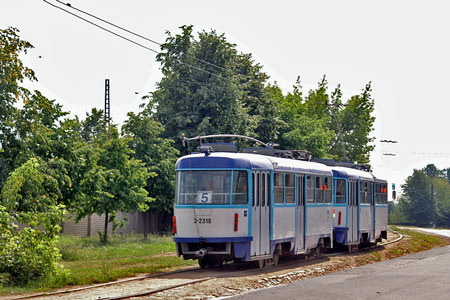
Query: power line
[133, 33]
[127, 39]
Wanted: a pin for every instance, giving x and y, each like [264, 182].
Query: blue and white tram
[251, 207]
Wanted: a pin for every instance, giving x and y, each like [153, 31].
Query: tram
[262, 204]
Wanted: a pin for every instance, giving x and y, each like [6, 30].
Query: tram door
[300, 237]
[372, 210]
[261, 214]
[353, 212]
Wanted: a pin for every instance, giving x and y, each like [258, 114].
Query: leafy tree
[432, 171]
[356, 121]
[416, 201]
[93, 125]
[158, 155]
[114, 181]
[12, 74]
[228, 97]
[29, 197]
[441, 201]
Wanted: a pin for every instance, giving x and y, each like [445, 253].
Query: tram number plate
[202, 220]
[204, 197]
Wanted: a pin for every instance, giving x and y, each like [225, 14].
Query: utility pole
[433, 223]
[107, 116]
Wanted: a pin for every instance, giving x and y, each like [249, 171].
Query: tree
[114, 181]
[12, 74]
[416, 202]
[356, 121]
[159, 156]
[226, 97]
[29, 197]
[93, 125]
[432, 171]
[442, 201]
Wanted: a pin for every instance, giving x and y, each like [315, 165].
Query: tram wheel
[276, 258]
[260, 263]
[202, 263]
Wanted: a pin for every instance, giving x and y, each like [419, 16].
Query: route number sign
[204, 197]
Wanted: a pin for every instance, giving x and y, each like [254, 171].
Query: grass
[125, 255]
[412, 242]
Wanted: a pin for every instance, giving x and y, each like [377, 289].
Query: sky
[402, 47]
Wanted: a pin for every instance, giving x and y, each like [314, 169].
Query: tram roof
[224, 160]
[352, 173]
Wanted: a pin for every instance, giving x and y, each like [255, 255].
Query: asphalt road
[424, 275]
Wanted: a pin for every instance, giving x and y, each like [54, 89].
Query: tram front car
[211, 213]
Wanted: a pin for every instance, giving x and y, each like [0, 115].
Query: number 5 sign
[204, 197]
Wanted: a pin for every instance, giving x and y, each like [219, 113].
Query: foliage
[12, 73]
[114, 181]
[228, 97]
[311, 122]
[29, 199]
[158, 155]
[416, 207]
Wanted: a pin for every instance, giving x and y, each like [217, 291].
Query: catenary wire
[132, 32]
[129, 40]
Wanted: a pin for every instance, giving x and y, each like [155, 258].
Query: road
[423, 275]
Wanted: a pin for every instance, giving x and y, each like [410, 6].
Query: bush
[28, 254]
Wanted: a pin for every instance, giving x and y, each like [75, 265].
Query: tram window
[268, 189]
[240, 191]
[328, 189]
[362, 196]
[253, 185]
[310, 189]
[340, 191]
[278, 187]
[300, 191]
[205, 187]
[377, 193]
[263, 192]
[177, 180]
[319, 189]
[289, 185]
[366, 192]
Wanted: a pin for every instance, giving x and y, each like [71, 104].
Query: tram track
[228, 270]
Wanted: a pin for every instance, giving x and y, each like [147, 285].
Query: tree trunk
[144, 216]
[105, 232]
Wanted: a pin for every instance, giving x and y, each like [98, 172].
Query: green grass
[125, 255]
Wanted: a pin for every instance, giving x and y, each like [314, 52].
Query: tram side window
[328, 189]
[278, 187]
[378, 193]
[362, 195]
[319, 189]
[310, 189]
[289, 187]
[384, 195]
[177, 180]
[340, 191]
[240, 190]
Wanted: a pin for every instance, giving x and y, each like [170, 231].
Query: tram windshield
[212, 187]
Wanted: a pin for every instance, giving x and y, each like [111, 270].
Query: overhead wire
[127, 39]
[133, 33]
